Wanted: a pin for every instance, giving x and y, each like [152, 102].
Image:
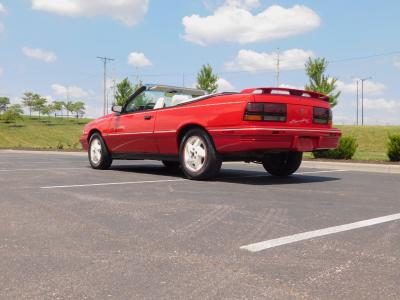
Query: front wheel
[99, 157]
[198, 157]
[282, 164]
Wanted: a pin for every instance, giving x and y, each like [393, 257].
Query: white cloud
[3, 10]
[370, 87]
[130, 12]
[36, 53]
[396, 62]
[74, 92]
[139, 60]
[234, 22]
[248, 60]
[381, 104]
[380, 110]
[224, 86]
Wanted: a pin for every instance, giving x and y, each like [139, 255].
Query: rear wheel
[198, 157]
[282, 164]
[99, 156]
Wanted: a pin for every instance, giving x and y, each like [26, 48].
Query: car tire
[282, 164]
[172, 165]
[198, 158]
[99, 156]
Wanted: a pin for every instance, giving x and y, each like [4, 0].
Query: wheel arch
[91, 132]
[186, 128]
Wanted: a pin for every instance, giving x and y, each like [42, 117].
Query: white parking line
[47, 169]
[256, 247]
[168, 180]
[110, 183]
[300, 173]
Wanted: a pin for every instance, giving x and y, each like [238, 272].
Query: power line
[105, 60]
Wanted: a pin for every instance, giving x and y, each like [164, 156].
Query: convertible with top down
[188, 129]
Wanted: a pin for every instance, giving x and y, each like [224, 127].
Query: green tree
[123, 92]
[207, 80]
[4, 102]
[13, 113]
[58, 107]
[69, 107]
[319, 82]
[39, 103]
[48, 109]
[28, 100]
[78, 108]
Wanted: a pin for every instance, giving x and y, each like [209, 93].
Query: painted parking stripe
[111, 183]
[266, 175]
[166, 180]
[256, 247]
[37, 169]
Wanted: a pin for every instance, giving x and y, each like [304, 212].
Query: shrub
[393, 150]
[13, 114]
[346, 149]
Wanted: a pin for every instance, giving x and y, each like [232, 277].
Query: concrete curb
[72, 153]
[361, 167]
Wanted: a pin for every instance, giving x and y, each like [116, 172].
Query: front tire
[282, 164]
[198, 157]
[99, 156]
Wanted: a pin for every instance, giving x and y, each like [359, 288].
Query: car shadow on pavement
[237, 176]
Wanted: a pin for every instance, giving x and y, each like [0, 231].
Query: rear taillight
[271, 112]
[322, 115]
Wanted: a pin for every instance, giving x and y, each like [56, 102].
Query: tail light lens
[322, 115]
[271, 112]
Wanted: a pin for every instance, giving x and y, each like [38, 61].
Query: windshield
[149, 99]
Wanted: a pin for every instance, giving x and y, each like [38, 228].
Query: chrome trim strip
[276, 129]
[143, 132]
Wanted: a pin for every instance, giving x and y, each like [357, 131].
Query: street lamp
[362, 98]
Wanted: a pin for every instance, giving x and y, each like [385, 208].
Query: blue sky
[50, 47]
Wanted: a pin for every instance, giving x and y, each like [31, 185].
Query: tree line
[206, 80]
[40, 105]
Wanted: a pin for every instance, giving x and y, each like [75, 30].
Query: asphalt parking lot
[139, 231]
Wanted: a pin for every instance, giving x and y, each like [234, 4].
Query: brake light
[322, 115]
[270, 112]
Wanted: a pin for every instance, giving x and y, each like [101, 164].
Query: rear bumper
[267, 139]
[84, 142]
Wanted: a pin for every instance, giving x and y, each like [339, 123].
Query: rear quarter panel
[219, 112]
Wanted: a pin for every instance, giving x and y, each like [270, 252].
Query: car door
[133, 131]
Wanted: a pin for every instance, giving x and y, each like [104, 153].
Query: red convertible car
[185, 128]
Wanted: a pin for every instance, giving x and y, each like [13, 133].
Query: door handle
[147, 117]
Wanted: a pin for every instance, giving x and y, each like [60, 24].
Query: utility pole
[105, 60]
[362, 98]
[278, 68]
[357, 100]
[183, 80]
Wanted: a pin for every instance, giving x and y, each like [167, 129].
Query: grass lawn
[372, 140]
[46, 133]
[63, 134]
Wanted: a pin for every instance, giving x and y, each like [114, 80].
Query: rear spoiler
[286, 91]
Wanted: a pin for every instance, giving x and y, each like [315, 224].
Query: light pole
[357, 102]
[362, 98]
[105, 60]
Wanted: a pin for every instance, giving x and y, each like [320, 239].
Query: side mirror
[116, 108]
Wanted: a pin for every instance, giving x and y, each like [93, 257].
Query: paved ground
[141, 232]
